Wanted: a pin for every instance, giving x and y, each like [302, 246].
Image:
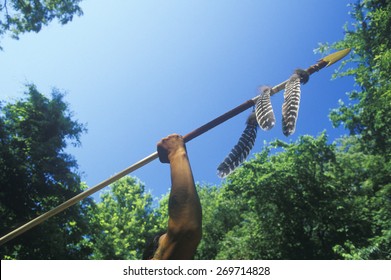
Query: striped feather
[241, 150]
[290, 107]
[264, 110]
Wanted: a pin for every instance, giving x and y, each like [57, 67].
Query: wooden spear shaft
[326, 61]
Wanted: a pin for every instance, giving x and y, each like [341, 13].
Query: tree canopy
[123, 221]
[310, 201]
[18, 17]
[36, 174]
[368, 115]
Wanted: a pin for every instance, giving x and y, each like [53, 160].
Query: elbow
[187, 232]
[193, 234]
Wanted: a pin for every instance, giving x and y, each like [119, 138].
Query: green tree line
[310, 199]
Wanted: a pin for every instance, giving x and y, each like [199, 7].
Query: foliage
[290, 204]
[369, 114]
[313, 200]
[36, 175]
[30, 15]
[123, 221]
[218, 216]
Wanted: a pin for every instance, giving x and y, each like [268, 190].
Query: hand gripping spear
[326, 61]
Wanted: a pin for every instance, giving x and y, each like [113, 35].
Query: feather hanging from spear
[290, 107]
[263, 116]
[241, 150]
[264, 110]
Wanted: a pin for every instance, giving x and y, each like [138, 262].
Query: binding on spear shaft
[326, 61]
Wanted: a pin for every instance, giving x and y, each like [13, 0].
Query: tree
[36, 174]
[219, 215]
[368, 176]
[369, 114]
[312, 200]
[21, 16]
[290, 204]
[123, 221]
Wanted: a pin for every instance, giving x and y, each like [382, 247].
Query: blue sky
[136, 71]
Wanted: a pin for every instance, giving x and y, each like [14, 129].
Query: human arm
[185, 214]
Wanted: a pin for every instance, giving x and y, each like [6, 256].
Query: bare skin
[184, 209]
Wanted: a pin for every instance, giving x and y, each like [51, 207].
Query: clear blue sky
[136, 71]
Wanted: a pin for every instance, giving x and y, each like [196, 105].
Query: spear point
[334, 57]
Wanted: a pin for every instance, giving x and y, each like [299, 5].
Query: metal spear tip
[334, 57]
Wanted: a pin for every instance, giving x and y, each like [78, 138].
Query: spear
[324, 62]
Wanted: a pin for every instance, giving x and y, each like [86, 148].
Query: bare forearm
[184, 209]
[184, 204]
